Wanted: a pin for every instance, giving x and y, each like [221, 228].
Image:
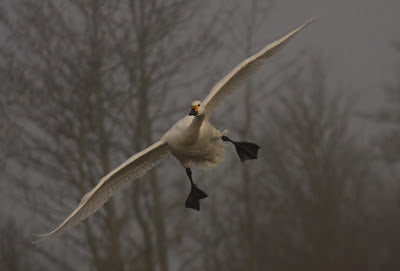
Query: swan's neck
[192, 131]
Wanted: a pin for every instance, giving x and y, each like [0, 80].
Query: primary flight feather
[192, 140]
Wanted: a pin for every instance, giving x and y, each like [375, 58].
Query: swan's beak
[194, 111]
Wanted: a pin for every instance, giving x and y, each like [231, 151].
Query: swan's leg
[193, 200]
[245, 150]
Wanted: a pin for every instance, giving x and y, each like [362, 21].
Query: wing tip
[43, 240]
[46, 239]
[316, 17]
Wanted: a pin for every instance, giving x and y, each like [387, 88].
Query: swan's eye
[198, 105]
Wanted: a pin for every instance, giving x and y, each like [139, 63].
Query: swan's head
[197, 109]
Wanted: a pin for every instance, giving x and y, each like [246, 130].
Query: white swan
[192, 140]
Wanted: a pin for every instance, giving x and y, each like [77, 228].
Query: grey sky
[355, 36]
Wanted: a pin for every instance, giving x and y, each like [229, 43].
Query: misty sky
[355, 37]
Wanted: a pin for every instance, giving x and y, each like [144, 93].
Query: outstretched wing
[244, 70]
[133, 168]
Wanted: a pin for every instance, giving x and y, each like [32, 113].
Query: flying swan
[192, 140]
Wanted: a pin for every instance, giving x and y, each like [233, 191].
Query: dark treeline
[86, 84]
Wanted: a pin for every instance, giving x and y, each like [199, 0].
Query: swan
[192, 140]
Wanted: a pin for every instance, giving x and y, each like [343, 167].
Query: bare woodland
[86, 84]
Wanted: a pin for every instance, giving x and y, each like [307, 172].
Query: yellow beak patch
[196, 108]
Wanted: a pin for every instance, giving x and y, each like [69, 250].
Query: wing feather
[244, 70]
[133, 168]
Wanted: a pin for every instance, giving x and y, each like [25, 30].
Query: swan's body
[192, 140]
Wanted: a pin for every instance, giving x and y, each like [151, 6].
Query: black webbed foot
[193, 200]
[245, 150]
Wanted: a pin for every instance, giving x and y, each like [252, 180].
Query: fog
[87, 84]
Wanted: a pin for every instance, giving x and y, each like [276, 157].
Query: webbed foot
[245, 150]
[193, 200]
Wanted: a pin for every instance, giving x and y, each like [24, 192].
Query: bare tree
[14, 254]
[258, 14]
[99, 73]
[384, 219]
[315, 171]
